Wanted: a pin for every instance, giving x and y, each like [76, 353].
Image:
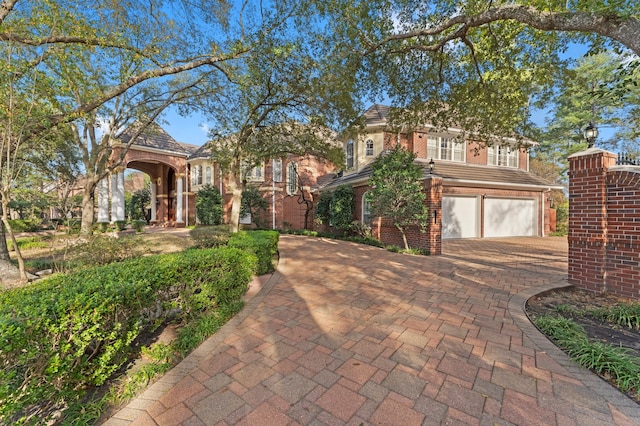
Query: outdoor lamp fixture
[590, 134]
[431, 164]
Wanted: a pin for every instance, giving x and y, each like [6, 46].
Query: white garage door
[460, 217]
[510, 217]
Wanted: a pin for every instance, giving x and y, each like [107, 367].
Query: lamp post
[431, 165]
[590, 134]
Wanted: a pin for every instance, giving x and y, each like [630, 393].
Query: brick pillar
[433, 189]
[588, 218]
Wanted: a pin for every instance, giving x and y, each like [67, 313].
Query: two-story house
[483, 191]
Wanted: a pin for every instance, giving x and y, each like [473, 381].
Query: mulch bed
[595, 328]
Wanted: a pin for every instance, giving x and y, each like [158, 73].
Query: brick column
[588, 218]
[433, 189]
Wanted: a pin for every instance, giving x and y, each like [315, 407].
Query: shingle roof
[156, 137]
[461, 174]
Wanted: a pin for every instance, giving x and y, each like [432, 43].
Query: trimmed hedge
[264, 244]
[65, 334]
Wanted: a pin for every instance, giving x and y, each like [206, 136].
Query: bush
[25, 225]
[67, 333]
[209, 206]
[264, 244]
[99, 250]
[120, 225]
[101, 227]
[138, 225]
[210, 236]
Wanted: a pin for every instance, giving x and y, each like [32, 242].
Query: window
[445, 148]
[366, 210]
[254, 174]
[369, 147]
[208, 176]
[292, 178]
[502, 156]
[277, 170]
[196, 175]
[350, 154]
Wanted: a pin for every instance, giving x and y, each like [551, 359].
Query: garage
[460, 217]
[510, 217]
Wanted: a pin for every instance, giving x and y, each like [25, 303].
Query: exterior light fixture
[590, 134]
[431, 165]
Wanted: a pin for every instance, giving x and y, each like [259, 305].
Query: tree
[472, 65]
[209, 206]
[277, 103]
[397, 192]
[138, 205]
[336, 208]
[65, 64]
[252, 203]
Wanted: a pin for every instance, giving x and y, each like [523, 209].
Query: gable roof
[461, 174]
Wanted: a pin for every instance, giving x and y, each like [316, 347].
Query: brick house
[178, 171]
[473, 191]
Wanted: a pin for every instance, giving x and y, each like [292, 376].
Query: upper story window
[292, 178]
[254, 174]
[207, 176]
[368, 146]
[350, 154]
[445, 148]
[196, 175]
[277, 170]
[502, 156]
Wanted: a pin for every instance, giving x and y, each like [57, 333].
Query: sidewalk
[350, 334]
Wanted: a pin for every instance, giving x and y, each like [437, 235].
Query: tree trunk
[404, 237]
[9, 274]
[86, 226]
[235, 185]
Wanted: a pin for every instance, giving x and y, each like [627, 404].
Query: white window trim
[453, 143]
[369, 152]
[499, 159]
[365, 213]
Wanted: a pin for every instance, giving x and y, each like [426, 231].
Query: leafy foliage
[138, 205]
[336, 208]
[67, 333]
[397, 192]
[253, 203]
[210, 236]
[209, 206]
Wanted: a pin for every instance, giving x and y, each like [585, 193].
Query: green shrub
[138, 225]
[26, 243]
[101, 227]
[67, 333]
[99, 250]
[209, 209]
[264, 244]
[120, 225]
[210, 236]
[25, 225]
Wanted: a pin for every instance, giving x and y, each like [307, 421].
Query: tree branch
[624, 29]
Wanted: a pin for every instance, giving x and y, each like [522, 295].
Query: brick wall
[604, 224]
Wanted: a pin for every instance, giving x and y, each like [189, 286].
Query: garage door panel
[459, 217]
[505, 217]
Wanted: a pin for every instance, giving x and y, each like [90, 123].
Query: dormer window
[445, 148]
[505, 156]
[368, 145]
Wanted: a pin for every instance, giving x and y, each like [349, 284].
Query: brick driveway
[351, 334]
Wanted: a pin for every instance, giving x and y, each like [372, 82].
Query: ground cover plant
[63, 338]
[599, 332]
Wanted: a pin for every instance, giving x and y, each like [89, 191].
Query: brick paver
[351, 334]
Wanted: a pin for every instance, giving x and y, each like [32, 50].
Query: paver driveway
[350, 334]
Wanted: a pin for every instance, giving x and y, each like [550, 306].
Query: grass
[607, 360]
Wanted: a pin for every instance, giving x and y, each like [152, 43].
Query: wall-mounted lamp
[431, 166]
